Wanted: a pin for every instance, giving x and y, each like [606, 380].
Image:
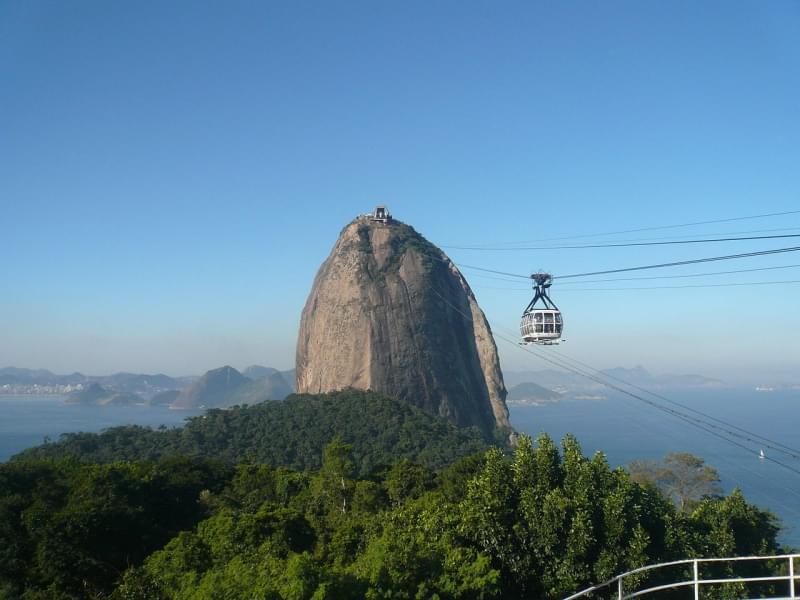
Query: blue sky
[172, 175]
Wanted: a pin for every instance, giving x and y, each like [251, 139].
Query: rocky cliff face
[391, 313]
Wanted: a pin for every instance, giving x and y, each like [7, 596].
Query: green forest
[290, 433]
[231, 507]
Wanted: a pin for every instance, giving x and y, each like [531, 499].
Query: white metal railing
[696, 582]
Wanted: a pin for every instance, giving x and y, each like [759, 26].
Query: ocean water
[625, 429]
[26, 420]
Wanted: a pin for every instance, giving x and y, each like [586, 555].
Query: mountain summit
[389, 312]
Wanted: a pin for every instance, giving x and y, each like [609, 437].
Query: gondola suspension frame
[542, 326]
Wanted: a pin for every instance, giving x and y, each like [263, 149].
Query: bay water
[25, 421]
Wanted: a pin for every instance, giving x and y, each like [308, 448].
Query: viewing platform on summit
[381, 215]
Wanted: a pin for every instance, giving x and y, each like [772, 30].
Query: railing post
[696, 580]
[791, 577]
[619, 587]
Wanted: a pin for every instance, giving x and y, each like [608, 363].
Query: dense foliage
[539, 524]
[69, 530]
[289, 433]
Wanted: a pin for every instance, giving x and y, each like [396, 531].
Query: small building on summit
[381, 214]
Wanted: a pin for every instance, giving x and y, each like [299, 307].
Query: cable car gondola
[541, 325]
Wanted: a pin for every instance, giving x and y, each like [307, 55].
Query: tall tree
[682, 477]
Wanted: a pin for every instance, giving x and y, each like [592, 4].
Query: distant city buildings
[36, 389]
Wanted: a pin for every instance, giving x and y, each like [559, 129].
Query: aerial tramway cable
[685, 262]
[648, 278]
[660, 287]
[734, 271]
[518, 245]
[630, 244]
[662, 227]
[645, 267]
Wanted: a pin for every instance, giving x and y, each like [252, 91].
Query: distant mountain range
[41, 381]
[254, 384]
[227, 386]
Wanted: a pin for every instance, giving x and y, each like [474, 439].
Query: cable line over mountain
[660, 227]
[734, 271]
[644, 267]
[661, 287]
[646, 278]
[684, 262]
[613, 240]
[632, 244]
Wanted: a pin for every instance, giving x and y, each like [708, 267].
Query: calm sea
[625, 429]
[622, 428]
[26, 420]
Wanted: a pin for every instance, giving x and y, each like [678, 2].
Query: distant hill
[291, 433]
[224, 387]
[257, 371]
[157, 389]
[212, 389]
[124, 399]
[271, 387]
[91, 394]
[531, 393]
[16, 376]
[164, 398]
[136, 382]
[289, 377]
[96, 394]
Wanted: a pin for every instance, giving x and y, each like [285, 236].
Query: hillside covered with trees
[290, 433]
[541, 523]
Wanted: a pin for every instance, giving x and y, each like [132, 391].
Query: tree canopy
[683, 477]
[291, 433]
[540, 523]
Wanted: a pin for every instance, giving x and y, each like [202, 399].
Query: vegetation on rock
[289, 433]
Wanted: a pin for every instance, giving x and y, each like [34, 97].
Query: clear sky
[173, 173]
